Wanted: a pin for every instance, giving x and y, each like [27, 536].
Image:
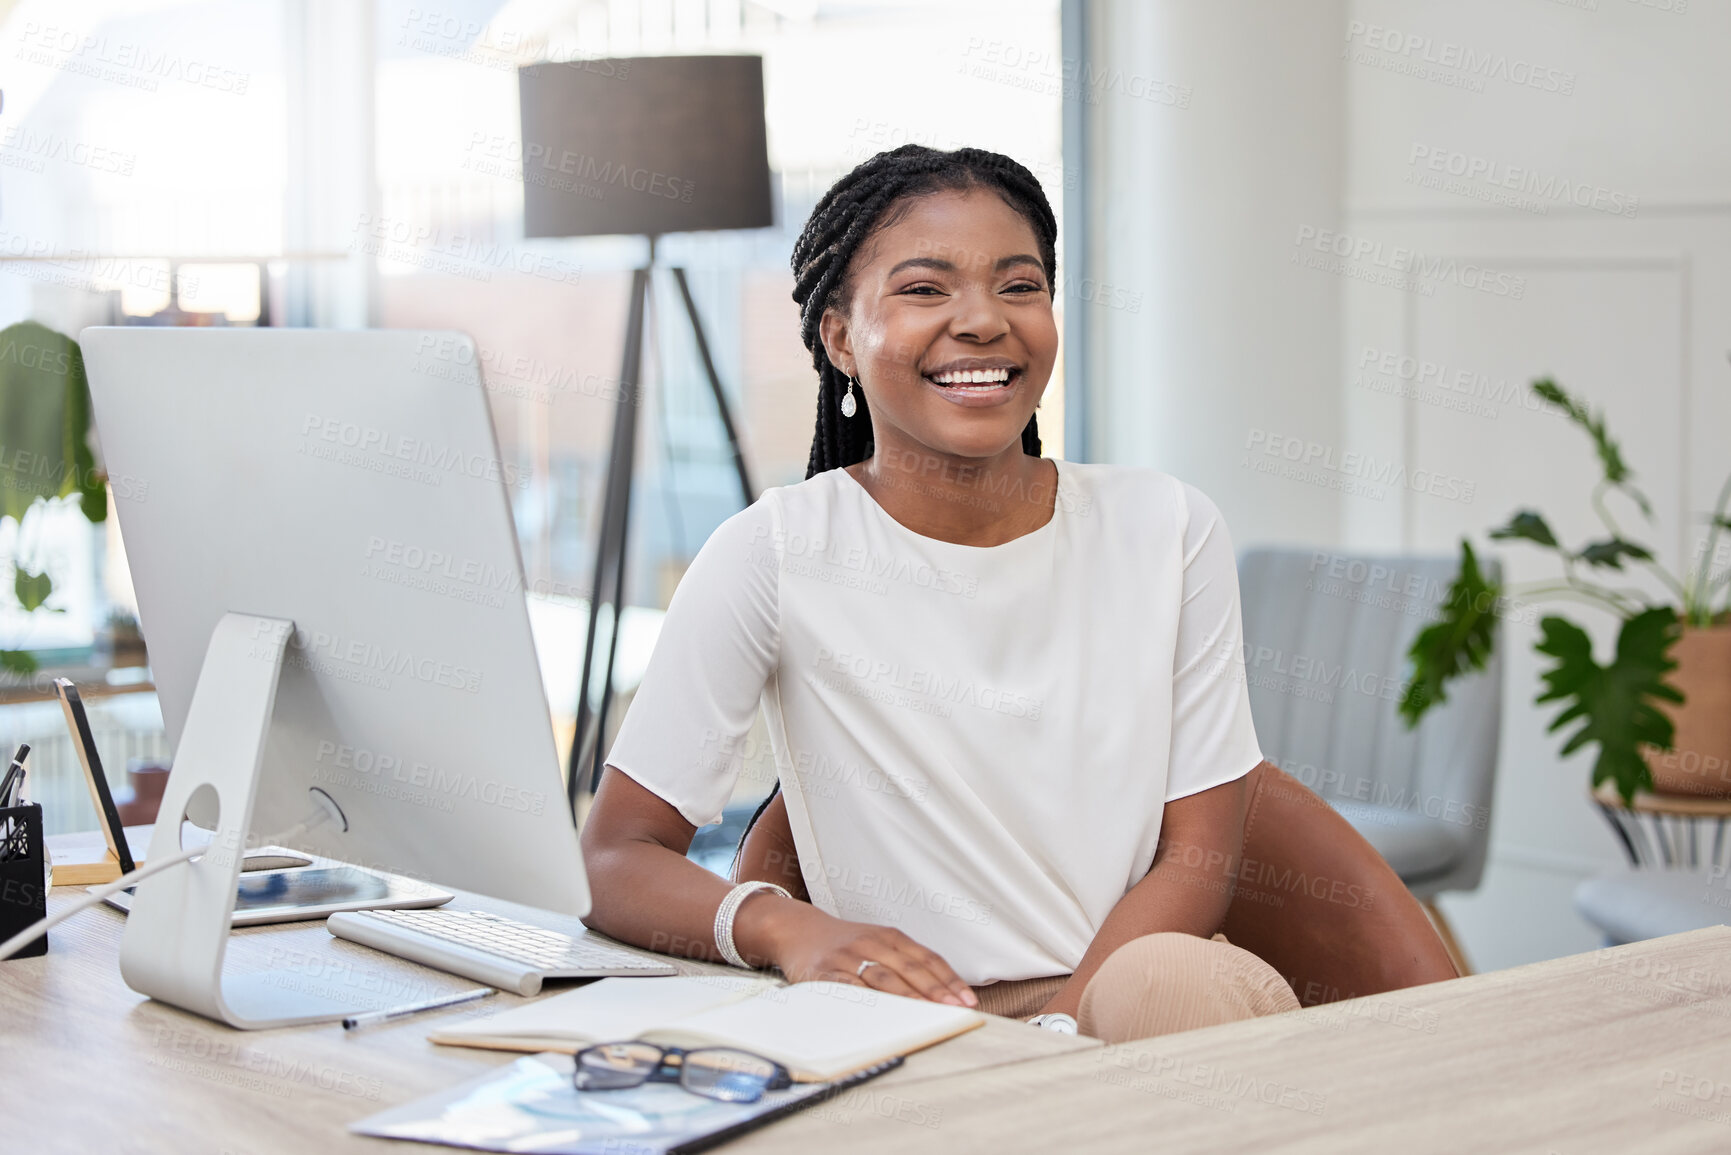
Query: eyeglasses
[713, 1072]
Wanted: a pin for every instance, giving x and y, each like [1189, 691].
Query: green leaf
[1617, 472]
[32, 588]
[1461, 641]
[1610, 454]
[92, 490]
[45, 413]
[1527, 526]
[1612, 551]
[17, 661]
[1616, 705]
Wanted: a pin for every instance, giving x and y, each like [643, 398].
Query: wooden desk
[1617, 1051]
[1603, 1052]
[87, 1065]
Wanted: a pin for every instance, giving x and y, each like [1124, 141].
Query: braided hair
[855, 207]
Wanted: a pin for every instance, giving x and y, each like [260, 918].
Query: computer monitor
[348, 483]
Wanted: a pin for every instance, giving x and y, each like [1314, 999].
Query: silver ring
[860, 973]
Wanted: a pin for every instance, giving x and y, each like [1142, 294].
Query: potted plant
[1669, 734]
[44, 451]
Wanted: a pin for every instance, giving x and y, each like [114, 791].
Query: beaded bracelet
[730, 907]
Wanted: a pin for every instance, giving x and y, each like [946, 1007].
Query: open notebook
[818, 1031]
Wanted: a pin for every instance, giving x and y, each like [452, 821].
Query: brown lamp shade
[644, 145]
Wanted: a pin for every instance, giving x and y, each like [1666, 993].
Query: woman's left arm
[1187, 889]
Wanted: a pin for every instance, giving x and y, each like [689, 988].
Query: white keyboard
[500, 952]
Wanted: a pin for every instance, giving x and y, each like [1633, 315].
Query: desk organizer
[23, 895]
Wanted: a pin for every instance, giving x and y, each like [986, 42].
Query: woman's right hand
[809, 945]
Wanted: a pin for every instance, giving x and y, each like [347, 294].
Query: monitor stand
[177, 934]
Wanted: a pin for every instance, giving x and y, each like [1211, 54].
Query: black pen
[366, 1017]
[9, 845]
[16, 770]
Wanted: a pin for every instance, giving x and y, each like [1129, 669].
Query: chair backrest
[1362, 934]
[1326, 635]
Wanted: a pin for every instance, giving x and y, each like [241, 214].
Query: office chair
[1326, 636]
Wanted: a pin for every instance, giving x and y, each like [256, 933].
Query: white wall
[1629, 308]
[1217, 131]
[1302, 115]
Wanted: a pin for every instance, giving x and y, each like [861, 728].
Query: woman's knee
[1162, 983]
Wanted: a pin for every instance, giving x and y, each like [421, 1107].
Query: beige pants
[1155, 985]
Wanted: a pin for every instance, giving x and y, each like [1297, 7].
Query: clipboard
[118, 858]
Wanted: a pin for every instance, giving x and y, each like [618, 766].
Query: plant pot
[1700, 763]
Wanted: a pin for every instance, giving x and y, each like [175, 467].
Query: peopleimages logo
[363, 661]
[1168, 1073]
[1469, 383]
[497, 155]
[460, 37]
[1350, 471]
[96, 273]
[1040, 70]
[34, 148]
[1473, 64]
[439, 564]
[1401, 262]
[459, 254]
[932, 684]
[1307, 675]
[1494, 178]
[1402, 590]
[418, 459]
[122, 62]
[793, 548]
[893, 892]
[375, 767]
[448, 358]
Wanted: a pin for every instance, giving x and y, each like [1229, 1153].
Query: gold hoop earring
[848, 405]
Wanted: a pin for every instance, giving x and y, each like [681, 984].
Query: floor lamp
[648, 146]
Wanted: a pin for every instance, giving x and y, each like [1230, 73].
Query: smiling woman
[907, 237]
[944, 322]
[1022, 786]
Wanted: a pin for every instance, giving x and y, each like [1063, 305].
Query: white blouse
[975, 742]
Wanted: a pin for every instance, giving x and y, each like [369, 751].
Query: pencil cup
[23, 895]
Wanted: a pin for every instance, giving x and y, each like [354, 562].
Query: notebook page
[820, 1030]
[607, 1011]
